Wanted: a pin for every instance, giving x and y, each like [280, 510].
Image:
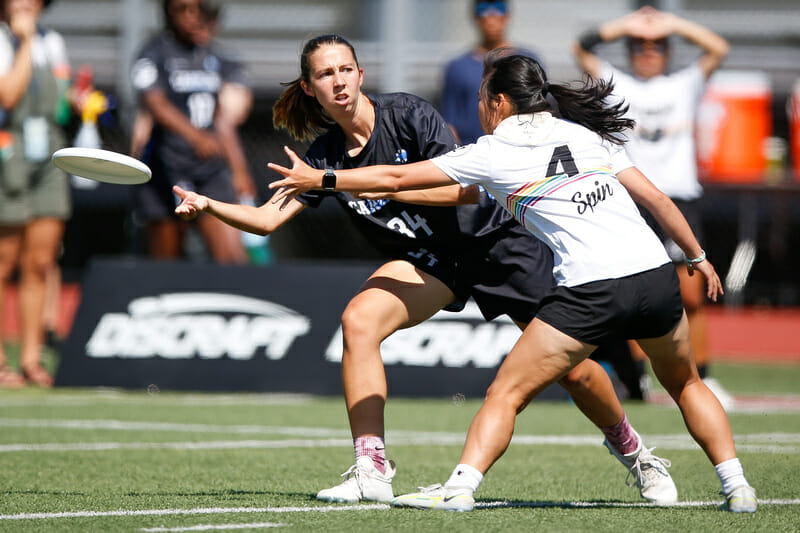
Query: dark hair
[295, 111]
[523, 80]
[210, 9]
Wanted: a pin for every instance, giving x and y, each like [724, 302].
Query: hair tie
[545, 89]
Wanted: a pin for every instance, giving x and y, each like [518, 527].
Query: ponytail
[298, 113]
[295, 111]
[524, 82]
[587, 105]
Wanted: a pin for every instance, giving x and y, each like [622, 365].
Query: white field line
[215, 527]
[327, 438]
[112, 397]
[671, 442]
[742, 404]
[358, 507]
[121, 425]
[197, 511]
[434, 437]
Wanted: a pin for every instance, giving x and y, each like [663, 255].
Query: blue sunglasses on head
[484, 9]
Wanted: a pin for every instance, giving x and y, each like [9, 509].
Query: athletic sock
[372, 447]
[622, 436]
[465, 476]
[731, 474]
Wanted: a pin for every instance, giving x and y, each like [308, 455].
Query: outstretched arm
[437, 196]
[262, 220]
[674, 224]
[380, 178]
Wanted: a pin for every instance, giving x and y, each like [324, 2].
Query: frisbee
[102, 165]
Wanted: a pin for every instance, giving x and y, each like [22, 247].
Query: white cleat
[649, 474]
[438, 497]
[741, 500]
[363, 482]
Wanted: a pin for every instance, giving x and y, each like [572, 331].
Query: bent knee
[511, 397]
[361, 324]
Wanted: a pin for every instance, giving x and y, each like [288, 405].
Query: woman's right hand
[192, 204]
[22, 23]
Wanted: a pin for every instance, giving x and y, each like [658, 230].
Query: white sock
[731, 475]
[465, 476]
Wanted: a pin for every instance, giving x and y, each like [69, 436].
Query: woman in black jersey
[504, 269]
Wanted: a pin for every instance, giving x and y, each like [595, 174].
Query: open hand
[298, 179]
[192, 204]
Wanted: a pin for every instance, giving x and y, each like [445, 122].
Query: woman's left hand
[298, 179]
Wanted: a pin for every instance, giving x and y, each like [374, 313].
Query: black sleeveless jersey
[407, 129]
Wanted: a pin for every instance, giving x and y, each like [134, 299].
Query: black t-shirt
[407, 129]
[191, 77]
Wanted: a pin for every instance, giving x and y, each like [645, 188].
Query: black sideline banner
[189, 326]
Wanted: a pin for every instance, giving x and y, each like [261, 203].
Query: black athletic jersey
[191, 77]
[407, 129]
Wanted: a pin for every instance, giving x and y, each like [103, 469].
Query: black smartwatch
[329, 180]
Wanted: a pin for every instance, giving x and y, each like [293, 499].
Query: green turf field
[93, 460]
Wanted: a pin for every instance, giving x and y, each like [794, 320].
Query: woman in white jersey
[664, 105]
[571, 185]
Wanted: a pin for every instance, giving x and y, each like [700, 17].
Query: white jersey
[559, 180]
[662, 144]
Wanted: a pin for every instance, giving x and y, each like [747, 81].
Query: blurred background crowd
[404, 45]
[749, 213]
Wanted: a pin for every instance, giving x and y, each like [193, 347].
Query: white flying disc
[102, 165]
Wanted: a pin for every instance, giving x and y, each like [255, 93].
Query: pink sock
[622, 436]
[374, 448]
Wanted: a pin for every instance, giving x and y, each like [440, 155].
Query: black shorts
[640, 306]
[692, 212]
[506, 272]
[156, 201]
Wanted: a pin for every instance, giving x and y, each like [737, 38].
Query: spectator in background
[463, 74]
[34, 194]
[664, 106]
[197, 98]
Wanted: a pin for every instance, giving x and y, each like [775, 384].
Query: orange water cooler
[793, 107]
[734, 121]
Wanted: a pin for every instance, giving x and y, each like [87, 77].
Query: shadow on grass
[590, 504]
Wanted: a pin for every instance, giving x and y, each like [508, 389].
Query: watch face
[329, 180]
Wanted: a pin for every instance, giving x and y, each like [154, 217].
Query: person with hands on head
[196, 97]
[438, 256]
[34, 194]
[570, 182]
[664, 105]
